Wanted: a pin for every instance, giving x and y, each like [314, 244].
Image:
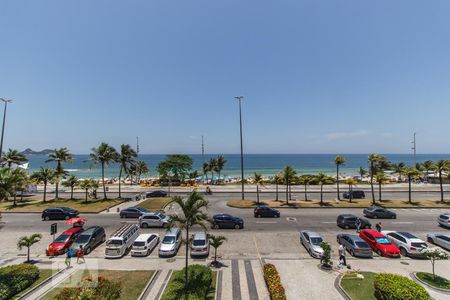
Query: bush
[396, 287]
[199, 284]
[16, 278]
[103, 289]
[273, 282]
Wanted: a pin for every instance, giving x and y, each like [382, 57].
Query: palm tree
[19, 179]
[212, 168]
[192, 213]
[277, 179]
[13, 157]
[322, 179]
[140, 167]
[28, 241]
[60, 156]
[362, 172]
[44, 175]
[306, 180]
[288, 175]
[398, 168]
[221, 161]
[339, 161]
[258, 180]
[125, 160]
[441, 166]
[381, 179]
[206, 169]
[411, 173]
[216, 242]
[11, 181]
[351, 183]
[85, 185]
[103, 155]
[71, 183]
[427, 167]
[374, 161]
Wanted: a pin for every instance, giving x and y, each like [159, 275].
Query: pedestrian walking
[68, 259]
[342, 259]
[378, 226]
[80, 255]
[358, 225]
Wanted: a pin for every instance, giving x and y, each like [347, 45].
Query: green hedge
[273, 282]
[396, 287]
[16, 278]
[199, 284]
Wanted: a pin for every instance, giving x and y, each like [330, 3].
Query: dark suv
[132, 212]
[227, 221]
[59, 213]
[349, 221]
[356, 194]
[265, 211]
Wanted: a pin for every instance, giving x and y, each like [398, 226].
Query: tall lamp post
[4, 119]
[239, 98]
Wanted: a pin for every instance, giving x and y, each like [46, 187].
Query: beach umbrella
[76, 220]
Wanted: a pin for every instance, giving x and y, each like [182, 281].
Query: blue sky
[317, 76]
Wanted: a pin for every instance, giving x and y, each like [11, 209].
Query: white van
[121, 240]
[144, 244]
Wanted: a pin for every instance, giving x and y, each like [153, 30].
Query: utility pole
[414, 147]
[239, 98]
[4, 120]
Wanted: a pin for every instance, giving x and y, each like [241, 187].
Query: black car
[265, 211]
[227, 221]
[59, 213]
[349, 221]
[377, 212]
[133, 212]
[89, 239]
[158, 193]
[356, 194]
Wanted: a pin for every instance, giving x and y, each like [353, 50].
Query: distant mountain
[29, 151]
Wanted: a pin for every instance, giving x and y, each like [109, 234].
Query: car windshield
[139, 244]
[84, 238]
[361, 245]
[316, 240]
[114, 243]
[168, 240]
[199, 242]
[62, 238]
[162, 216]
[383, 241]
[141, 209]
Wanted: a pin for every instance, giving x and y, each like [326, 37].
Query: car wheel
[379, 252]
[337, 240]
[103, 239]
[47, 218]
[394, 217]
[278, 216]
[352, 253]
[258, 216]
[237, 226]
[403, 252]
[375, 216]
[346, 227]
[88, 250]
[122, 216]
[66, 217]
[144, 225]
[430, 240]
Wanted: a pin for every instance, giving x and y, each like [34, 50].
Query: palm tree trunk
[350, 188]
[276, 187]
[120, 177]
[71, 192]
[21, 195]
[45, 190]
[86, 195]
[14, 199]
[186, 263]
[56, 192]
[257, 194]
[371, 183]
[409, 190]
[219, 176]
[287, 192]
[103, 180]
[306, 193]
[321, 194]
[379, 191]
[28, 254]
[440, 184]
[290, 193]
[215, 255]
[337, 182]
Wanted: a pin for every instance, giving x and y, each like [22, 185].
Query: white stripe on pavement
[402, 222]
[266, 222]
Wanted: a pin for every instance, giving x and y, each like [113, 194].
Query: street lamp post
[239, 98]
[4, 119]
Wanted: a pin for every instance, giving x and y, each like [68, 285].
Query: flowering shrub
[393, 286]
[103, 289]
[16, 278]
[273, 282]
[434, 254]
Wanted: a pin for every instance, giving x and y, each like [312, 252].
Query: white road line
[402, 222]
[328, 222]
[266, 222]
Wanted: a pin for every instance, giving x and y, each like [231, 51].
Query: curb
[346, 207]
[147, 286]
[337, 285]
[25, 295]
[417, 279]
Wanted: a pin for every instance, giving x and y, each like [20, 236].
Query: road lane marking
[327, 222]
[402, 222]
[266, 222]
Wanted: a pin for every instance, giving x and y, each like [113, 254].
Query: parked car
[59, 213]
[227, 221]
[444, 220]
[63, 242]
[440, 239]
[377, 212]
[170, 243]
[120, 241]
[89, 239]
[158, 193]
[311, 241]
[356, 194]
[407, 243]
[379, 243]
[265, 211]
[153, 220]
[348, 221]
[355, 245]
[144, 244]
[200, 244]
[133, 212]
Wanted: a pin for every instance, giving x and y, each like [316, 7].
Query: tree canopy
[178, 165]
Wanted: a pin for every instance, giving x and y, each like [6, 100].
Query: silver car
[200, 244]
[407, 243]
[444, 220]
[153, 220]
[440, 239]
[170, 243]
[355, 245]
[311, 241]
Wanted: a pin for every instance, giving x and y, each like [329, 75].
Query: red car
[379, 243]
[63, 242]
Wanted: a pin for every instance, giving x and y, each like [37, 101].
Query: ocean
[266, 164]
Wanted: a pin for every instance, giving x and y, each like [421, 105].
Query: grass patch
[155, 204]
[132, 282]
[439, 282]
[357, 203]
[359, 289]
[37, 206]
[43, 275]
[171, 285]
